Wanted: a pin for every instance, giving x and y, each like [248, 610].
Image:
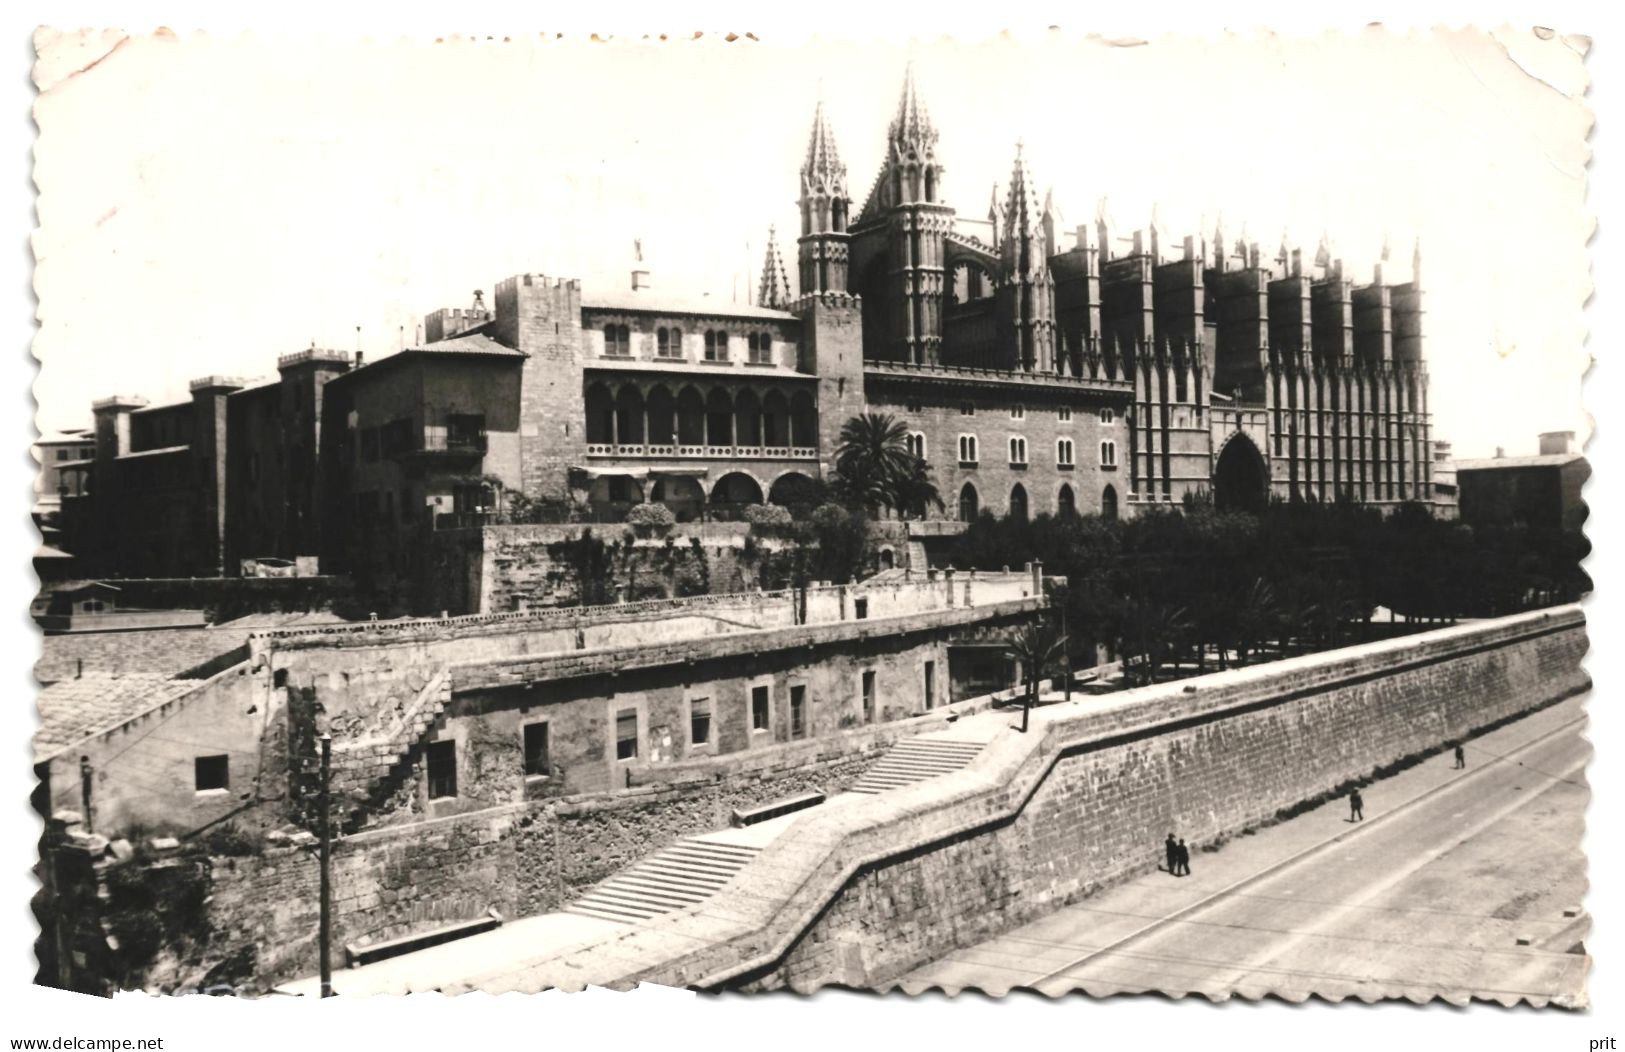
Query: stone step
[662, 867]
[701, 863]
[652, 872]
[718, 852]
[659, 889]
[608, 895]
[586, 909]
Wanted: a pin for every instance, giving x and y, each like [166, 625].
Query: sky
[207, 204]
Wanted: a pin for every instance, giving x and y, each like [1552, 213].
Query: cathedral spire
[993, 216]
[1416, 263]
[825, 205]
[775, 288]
[1022, 212]
[823, 162]
[912, 125]
[1026, 289]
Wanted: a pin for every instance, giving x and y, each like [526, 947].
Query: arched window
[716, 345]
[967, 449]
[1108, 503]
[968, 503]
[1108, 454]
[916, 444]
[760, 347]
[1063, 452]
[669, 343]
[1108, 417]
[1018, 502]
[1066, 505]
[1018, 451]
[1018, 412]
[617, 341]
[1064, 414]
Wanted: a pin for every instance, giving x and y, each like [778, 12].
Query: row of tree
[1197, 585]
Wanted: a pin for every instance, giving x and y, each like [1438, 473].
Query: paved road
[1458, 883]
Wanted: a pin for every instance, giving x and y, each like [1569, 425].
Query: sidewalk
[1152, 899]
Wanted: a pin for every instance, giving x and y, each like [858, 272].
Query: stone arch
[719, 415]
[629, 415]
[747, 418]
[1018, 502]
[736, 488]
[775, 419]
[972, 282]
[600, 415]
[662, 410]
[970, 503]
[888, 558]
[803, 420]
[1066, 502]
[684, 496]
[1240, 476]
[690, 417]
[791, 489]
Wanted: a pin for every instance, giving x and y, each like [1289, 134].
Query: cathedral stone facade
[1100, 377]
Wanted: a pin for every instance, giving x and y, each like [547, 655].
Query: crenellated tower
[824, 207]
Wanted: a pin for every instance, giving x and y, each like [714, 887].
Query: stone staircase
[682, 875]
[368, 770]
[916, 760]
[916, 557]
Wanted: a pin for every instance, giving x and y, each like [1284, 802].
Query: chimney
[1500, 452]
[359, 359]
[479, 301]
[640, 280]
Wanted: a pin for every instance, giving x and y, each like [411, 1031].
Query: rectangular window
[860, 608]
[869, 696]
[626, 734]
[699, 721]
[62, 454]
[930, 684]
[537, 764]
[760, 708]
[798, 712]
[211, 773]
[442, 770]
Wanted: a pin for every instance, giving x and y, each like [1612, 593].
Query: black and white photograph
[1031, 512]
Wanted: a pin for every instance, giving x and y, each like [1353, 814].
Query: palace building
[1103, 376]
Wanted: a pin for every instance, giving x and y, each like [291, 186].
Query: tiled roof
[75, 709]
[1549, 460]
[470, 344]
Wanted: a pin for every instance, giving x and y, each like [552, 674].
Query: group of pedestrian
[1179, 856]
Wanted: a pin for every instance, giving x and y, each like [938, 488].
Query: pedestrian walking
[1182, 861]
[1461, 757]
[1172, 851]
[1356, 807]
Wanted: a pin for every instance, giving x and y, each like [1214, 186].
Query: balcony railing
[440, 444]
[686, 452]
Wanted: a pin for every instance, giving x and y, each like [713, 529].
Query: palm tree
[871, 459]
[913, 492]
[1035, 646]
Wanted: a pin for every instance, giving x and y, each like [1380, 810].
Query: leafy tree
[874, 468]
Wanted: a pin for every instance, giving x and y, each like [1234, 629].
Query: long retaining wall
[861, 894]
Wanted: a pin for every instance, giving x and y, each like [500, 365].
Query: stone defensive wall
[861, 894]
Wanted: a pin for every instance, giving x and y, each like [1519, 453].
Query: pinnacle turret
[912, 126]
[775, 288]
[1022, 212]
[823, 166]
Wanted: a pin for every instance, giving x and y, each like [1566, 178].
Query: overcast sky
[209, 204]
